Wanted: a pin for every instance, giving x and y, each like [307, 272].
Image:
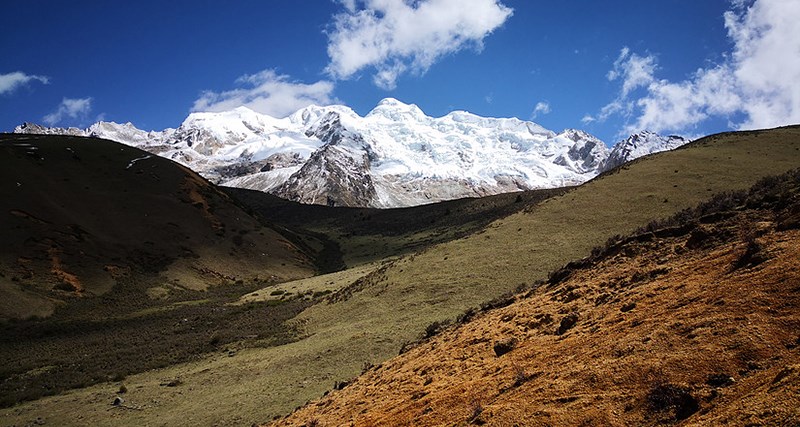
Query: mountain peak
[640, 144]
[576, 134]
[393, 102]
[395, 110]
[245, 110]
[240, 112]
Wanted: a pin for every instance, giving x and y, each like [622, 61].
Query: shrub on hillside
[672, 401]
[435, 328]
[504, 346]
[752, 254]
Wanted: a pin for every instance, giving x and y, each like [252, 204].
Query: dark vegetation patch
[752, 254]
[110, 337]
[719, 380]
[567, 323]
[475, 412]
[435, 328]
[646, 276]
[499, 302]
[671, 401]
[520, 375]
[504, 346]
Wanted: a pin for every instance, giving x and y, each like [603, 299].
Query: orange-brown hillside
[697, 323]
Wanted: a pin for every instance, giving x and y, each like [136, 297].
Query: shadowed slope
[366, 235]
[78, 214]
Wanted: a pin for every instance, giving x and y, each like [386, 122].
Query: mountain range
[395, 156]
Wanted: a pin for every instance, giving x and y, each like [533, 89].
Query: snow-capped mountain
[394, 156]
[638, 145]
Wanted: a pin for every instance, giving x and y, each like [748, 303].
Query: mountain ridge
[394, 156]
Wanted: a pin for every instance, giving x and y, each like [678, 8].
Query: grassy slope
[396, 304]
[364, 235]
[668, 328]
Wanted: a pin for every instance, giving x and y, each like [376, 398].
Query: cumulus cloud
[540, 108]
[398, 36]
[12, 81]
[70, 108]
[634, 70]
[757, 80]
[267, 92]
[766, 61]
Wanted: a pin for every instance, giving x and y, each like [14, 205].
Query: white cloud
[634, 70]
[681, 106]
[540, 108]
[11, 81]
[350, 5]
[740, 4]
[399, 36]
[72, 108]
[267, 92]
[766, 61]
[758, 80]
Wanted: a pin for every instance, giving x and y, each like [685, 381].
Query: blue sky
[609, 67]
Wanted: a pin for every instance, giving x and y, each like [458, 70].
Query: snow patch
[138, 159]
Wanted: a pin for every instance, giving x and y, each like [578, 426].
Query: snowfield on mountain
[394, 156]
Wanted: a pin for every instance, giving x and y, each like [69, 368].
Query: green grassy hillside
[363, 235]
